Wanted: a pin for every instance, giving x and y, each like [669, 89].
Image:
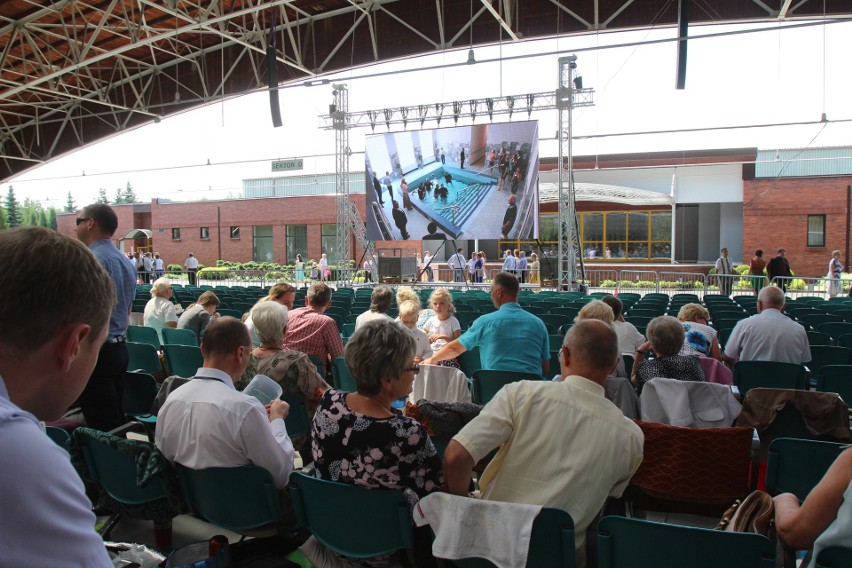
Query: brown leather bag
[754, 514]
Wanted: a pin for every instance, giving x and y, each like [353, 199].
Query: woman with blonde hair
[699, 338]
[160, 311]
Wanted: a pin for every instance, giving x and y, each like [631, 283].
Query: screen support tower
[347, 214]
[569, 95]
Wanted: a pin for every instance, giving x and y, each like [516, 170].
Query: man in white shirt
[562, 444]
[323, 265]
[208, 423]
[427, 265]
[159, 266]
[629, 338]
[769, 335]
[725, 271]
[49, 344]
[471, 267]
[509, 263]
[191, 266]
[457, 263]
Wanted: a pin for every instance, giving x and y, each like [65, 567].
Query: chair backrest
[234, 498]
[834, 557]
[139, 392]
[327, 508]
[59, 436]
[836, 378]
[769, 374]
[144, 356]
[818, 338]
[796, 466]
[551, 543]
[116, 471]
[183, 360]
[174, 336]
[318, 363]
[696, 469]
[822, 355]
[340, 375]
[486, 382]
[143, 334]
[634, 543]
[297, 421]
[844, 340]
[835, 329]
[469, 361]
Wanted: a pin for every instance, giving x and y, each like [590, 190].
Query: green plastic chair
[834, 557]
[822, 355]
[138, 394]
[634, 543]
[836, 378]
[143, 356]
[327, 508]
[470, 362]
[348, 329]
[297, 421]
[551, 543]
[183, 360]
[769, 374]
[143, 334]
[318, 363]
[486, 382]
[116, 473]
[796, 466]
[174, 336]
[59, 436]
[818, 338]
[241, 499]
[340, 375]
[835, 329]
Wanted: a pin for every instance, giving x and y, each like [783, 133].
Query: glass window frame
[175, 233]
[294, 243]
[267, 240]
[234, 232]
[204, 233]
[819, 233]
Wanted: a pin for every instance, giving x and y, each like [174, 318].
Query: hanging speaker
[272, 75]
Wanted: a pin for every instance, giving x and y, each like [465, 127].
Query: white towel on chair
[466, 527]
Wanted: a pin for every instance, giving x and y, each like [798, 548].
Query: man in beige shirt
[563, 444]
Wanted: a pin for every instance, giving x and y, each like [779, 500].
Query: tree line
[14, 213]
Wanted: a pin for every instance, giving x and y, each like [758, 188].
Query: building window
[262, 243]
[329, 239]
[235, 232]
[204, 232]
[297, 242]
[175, 234]
[816, 230]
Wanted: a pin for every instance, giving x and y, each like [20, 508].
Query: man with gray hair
[101, 399]
[311, 331]
[380, 301]
[56, 317]
[769, 335]
[562, 444]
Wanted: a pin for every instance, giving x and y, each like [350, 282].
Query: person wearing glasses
[359, 437]
[101, 399]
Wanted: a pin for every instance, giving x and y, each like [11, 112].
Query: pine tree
[129, 195]
[119, 197]
[102, 197]
[70, 207]
[13, 212]
[51, 218]
[42, 218]
[3, 218]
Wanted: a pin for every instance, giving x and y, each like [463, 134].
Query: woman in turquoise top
[825, 518]
[300, 268]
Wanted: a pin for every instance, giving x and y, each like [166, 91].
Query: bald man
[562, 444]
[769, 335]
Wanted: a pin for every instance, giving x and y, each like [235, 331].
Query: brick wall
[775, 215]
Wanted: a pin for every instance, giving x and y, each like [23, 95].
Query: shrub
[741, 269]
[174, 268]
[608, 284]
[279, 275]
[214, 273]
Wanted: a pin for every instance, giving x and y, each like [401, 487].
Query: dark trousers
[191, 272]
[101, 399]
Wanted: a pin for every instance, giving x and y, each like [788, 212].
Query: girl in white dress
[443, 327]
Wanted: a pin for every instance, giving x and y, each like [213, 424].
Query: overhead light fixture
[578, 83]
[470, 57]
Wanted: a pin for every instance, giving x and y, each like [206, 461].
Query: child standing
[409, 311]
[443, 327]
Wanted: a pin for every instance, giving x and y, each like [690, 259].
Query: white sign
[287, 165]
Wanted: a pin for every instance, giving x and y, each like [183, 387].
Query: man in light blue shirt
[55, 313]
[101, 399]
[509, 339]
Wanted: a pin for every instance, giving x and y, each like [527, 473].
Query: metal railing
[798, 287]
[682, 282]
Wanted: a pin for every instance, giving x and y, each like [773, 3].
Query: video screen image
[465, 182]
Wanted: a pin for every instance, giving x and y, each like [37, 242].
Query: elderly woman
[293, 370]
[699, 338]
[197, 316]
[281, 293]
[665, 338]
[160, 311]
[380, 302]
[360, 437]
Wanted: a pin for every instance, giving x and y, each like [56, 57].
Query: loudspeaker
[272, 75]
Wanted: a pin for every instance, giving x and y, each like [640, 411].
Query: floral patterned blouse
[392, 453]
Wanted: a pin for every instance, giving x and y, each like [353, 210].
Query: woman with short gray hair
[665, 338]
[160, 311]
[293, 370]
[359, 437]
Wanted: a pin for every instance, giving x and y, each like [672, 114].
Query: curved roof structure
[549, 193]
[73, 72]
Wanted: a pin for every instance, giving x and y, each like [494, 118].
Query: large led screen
[465, 182]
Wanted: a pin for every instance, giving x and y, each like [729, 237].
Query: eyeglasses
[82, 219]
[415, 368]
